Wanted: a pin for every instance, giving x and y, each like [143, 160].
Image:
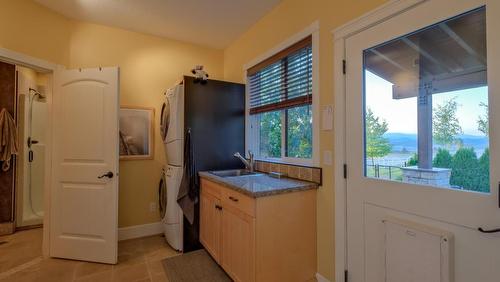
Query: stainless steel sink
[233, 173]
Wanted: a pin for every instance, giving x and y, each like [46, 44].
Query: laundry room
[249, 140]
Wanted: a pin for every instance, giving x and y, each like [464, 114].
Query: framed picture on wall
[136, 133]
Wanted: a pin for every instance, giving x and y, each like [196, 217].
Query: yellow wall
[285, 20]
[27, 28]
[148, 66]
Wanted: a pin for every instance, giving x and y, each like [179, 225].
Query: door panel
[373, 195]
[84, 208]
[86, 95]
[210, 224]
[238, 244]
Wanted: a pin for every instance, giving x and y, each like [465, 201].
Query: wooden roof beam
[389, 60]
[426, 54]
[460, 41]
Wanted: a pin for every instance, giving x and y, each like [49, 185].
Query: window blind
[282, 81]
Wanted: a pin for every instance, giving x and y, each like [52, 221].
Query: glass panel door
[422, 144]
[426, 106]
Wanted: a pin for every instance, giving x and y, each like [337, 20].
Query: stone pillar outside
[435, 176]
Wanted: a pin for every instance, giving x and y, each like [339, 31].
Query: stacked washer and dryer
[214, 113]
[172, 133]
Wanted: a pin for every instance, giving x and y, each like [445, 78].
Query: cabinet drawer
[237, 200]
[210, 188]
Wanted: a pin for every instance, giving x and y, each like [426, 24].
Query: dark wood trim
[294, 102]
[280, 55]
[28, 227]
[7, 178]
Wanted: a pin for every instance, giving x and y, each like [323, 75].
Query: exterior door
[84, 193]
[423, 145]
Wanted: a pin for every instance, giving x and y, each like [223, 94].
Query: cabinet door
[210, 224]
[238, 244]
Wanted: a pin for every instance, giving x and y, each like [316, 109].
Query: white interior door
[421, 83]
[84, 193]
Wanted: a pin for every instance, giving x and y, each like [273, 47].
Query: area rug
[193, 267]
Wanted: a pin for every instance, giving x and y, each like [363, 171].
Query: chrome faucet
[249, 164]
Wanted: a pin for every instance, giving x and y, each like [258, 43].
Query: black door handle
[488, 231]
[108, 174]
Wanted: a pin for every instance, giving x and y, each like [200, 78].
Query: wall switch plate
[327, 157]
[152, 207]
[327, 118]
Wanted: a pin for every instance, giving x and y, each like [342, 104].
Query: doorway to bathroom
[25, 95]
[32, 135]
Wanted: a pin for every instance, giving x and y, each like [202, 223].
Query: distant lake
[404, 145]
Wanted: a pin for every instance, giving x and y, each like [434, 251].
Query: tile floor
[138, 260]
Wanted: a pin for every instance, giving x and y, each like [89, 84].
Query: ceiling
[213, 23]
[445, 57]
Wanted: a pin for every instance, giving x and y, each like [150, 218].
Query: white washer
[172, 125]
[171, 213]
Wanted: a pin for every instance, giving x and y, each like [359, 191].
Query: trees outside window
[445, 124]
[376, 144]
[443, 159]
[483, 124]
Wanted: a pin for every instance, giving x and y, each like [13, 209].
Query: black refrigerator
[214, 113]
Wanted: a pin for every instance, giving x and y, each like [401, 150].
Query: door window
[426, 106]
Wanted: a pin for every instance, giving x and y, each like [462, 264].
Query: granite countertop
[260, 185]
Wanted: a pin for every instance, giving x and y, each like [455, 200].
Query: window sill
[289, 161]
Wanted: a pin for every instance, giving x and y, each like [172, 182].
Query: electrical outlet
[327, 157]
[152, 207]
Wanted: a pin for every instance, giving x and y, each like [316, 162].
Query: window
[280, 104]
[426, 106]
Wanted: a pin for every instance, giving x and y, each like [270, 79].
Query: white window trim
[252, 135]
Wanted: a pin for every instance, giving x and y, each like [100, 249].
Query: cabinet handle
[233, 199]
[218, 207]
[488, 231]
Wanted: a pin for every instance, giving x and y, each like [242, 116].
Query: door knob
[108, 174]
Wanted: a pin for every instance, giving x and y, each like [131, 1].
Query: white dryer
[172, 125]
[170, 211]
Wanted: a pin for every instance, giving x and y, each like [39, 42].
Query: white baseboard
[138, 231]
[321, 278]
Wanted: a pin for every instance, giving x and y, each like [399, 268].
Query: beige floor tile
[160, 277]
[87, 268]
[56, 270]
[21, 247]
[104, 276]
[152, 243]
[131, 273]
[129, 245]
[21, 277]
[161, 254]
[155, 267]
[138, 260]
[129, 259]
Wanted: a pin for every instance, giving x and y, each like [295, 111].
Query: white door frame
[340, 34]
[43, 66]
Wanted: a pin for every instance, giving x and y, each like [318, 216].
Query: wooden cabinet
[260, 239]
[210, 224]
[238, 244]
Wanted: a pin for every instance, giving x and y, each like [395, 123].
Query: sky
[402, 117]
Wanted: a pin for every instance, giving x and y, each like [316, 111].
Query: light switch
[327, 118]
[327, 157]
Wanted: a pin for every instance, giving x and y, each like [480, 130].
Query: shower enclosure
[32, 120]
